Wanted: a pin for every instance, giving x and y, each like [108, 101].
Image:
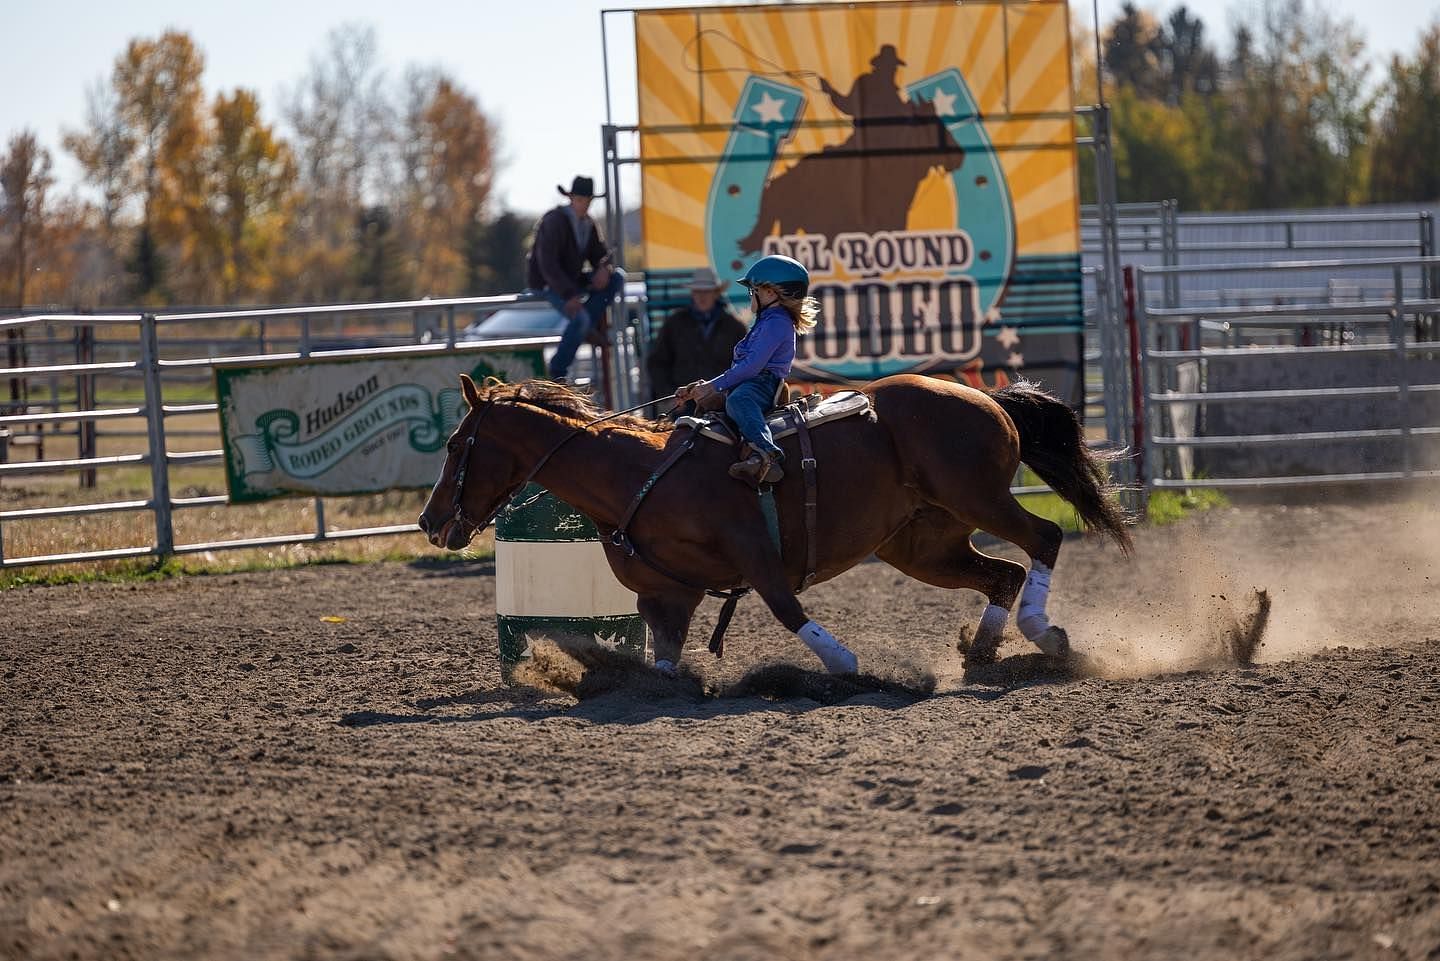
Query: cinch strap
[810, 468]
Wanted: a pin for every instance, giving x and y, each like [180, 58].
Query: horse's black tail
[1052, 444]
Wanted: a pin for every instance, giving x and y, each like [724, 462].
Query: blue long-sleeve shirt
[769, 345]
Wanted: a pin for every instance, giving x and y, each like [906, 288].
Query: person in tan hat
[566, 239]
[696, 341]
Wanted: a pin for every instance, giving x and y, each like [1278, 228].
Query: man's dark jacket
[556, 260]
[681, 354]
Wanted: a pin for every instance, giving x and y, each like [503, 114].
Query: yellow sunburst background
[692, 64]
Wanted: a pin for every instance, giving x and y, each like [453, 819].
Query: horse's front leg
[764, 571]
[668, 617]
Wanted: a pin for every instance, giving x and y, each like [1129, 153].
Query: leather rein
[507, 499]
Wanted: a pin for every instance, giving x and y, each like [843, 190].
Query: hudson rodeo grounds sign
[918, 158]
[347, 426]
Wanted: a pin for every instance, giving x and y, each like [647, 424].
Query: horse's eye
[452, 445]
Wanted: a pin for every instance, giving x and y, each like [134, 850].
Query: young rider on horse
[779, 289]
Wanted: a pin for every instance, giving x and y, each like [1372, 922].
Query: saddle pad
[841, 404]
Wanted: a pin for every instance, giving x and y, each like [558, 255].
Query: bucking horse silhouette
[868, 182]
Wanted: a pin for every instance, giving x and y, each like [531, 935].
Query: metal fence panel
[1272, 395]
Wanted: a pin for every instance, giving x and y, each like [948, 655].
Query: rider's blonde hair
[804, 311]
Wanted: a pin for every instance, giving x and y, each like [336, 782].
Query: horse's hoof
[978, 649]
[840, 661]
[666, 669]
[980, 656]
[1054, 642]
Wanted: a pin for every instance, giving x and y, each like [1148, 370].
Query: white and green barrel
[552, 580]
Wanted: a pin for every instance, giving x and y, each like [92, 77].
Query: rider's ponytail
[804, 311]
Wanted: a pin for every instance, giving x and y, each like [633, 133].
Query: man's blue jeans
[747, 404]
[582, 323]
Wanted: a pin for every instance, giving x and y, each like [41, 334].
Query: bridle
[460, 472]
[506, 499]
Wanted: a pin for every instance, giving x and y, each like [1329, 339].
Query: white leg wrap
[836, 657]
[1032, 620]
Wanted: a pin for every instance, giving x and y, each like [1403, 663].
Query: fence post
[155, 429]
[1137, 385]
[319, 502]
[4, 459]
[1111, 328]
[1170, 217]
[85, 400]
[1402, 374]
[1429, 274]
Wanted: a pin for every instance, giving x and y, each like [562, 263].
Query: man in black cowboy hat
[566, 239]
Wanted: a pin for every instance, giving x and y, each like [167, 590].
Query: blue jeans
[582, 323]
[747, 404]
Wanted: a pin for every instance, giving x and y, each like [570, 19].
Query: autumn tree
[25, 179]
[343, 139]
[1188, 63]
[159, 99]
[1132, 46]
[380, 263]
[1295, 88]
[1405, 165]
[1282, 122]
[251, 174]
[105, 149]
[496, 255]
[375, 190]
[448, 169]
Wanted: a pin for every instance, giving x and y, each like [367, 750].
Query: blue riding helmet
[786, 274]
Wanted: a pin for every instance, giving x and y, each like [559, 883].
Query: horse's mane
[563, 400]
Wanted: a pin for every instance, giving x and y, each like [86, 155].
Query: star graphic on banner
[1008, 338]
[609, 642]
[529, 648]
[1016, 360]
[769, 108]
[944, 103]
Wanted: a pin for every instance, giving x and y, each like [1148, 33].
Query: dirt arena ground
[207, 768]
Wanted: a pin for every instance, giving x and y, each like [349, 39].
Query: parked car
[539, 320]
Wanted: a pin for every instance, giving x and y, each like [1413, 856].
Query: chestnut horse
[909, 486]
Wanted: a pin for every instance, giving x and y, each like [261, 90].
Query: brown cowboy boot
[759, 468]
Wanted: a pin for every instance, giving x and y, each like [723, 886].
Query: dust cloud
[1347, 577]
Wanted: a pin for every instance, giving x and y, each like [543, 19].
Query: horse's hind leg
[1040, 539]
[935, 548]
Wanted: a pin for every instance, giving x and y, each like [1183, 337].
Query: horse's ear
[467, 387]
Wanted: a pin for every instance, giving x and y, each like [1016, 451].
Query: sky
[536, 66]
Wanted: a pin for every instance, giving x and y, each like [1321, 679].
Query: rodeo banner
[918, 158]
[348, 426]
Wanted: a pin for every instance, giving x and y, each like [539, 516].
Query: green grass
[1170, 506]
[1165, 507]
[1052, 508]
